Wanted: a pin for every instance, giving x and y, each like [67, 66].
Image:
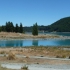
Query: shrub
[58, 56]
[24, 68]
[11, 56]
[27, 56]
[63, 56]
[2, 52]
[69, 57]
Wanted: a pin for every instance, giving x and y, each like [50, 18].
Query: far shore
[10, 35]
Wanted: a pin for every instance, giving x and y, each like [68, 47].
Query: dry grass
[51, 51]
[11, 56]
[60, 56]
[6, 35]
[2, 52]
[36, 51]
[40, 51]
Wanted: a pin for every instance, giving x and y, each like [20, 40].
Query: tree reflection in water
[35, 42]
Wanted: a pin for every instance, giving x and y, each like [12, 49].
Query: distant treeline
[40, 28]
[9, 27]
[62, 25]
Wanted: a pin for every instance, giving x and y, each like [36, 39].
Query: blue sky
[28, 12]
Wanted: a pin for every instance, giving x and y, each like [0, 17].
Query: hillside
[62, 25]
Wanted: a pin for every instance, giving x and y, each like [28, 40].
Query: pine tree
[9, 27]
[17, 28]
[21, 28]
[35, 29]
[2, 28]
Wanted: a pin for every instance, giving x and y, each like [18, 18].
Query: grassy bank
[16, 55]
[59, 51]
[10, 35]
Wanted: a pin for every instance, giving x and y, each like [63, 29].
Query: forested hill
[62, 25]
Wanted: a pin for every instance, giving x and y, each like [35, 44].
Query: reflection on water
[22, 43]
[11, 43]
[35, 42]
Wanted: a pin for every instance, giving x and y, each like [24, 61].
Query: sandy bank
[36, 58]
[36, 55]
[6, 35]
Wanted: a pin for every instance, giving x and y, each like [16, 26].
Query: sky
[28, 12]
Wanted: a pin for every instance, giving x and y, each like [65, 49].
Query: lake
[40, 42]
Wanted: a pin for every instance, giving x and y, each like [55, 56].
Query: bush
[2, 52]
[11, 56]
[57, 56]
[63, 56]
[27, 56]
[69, 57]
[24, 68]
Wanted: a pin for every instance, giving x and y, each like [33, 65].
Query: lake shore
[36, 55]
[40, 55]
[12, 36]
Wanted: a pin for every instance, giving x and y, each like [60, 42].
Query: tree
[17, 28]
[9, 27]
[21, 28]
[35, 29]
[2, 28]
[6, 27]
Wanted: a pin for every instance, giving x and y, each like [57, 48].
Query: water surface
[31, 42]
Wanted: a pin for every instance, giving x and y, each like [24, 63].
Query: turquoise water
[44, 42]
[22, 43]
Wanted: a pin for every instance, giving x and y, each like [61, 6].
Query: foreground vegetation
[57, 52]
[10, 55]
[24, 68]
